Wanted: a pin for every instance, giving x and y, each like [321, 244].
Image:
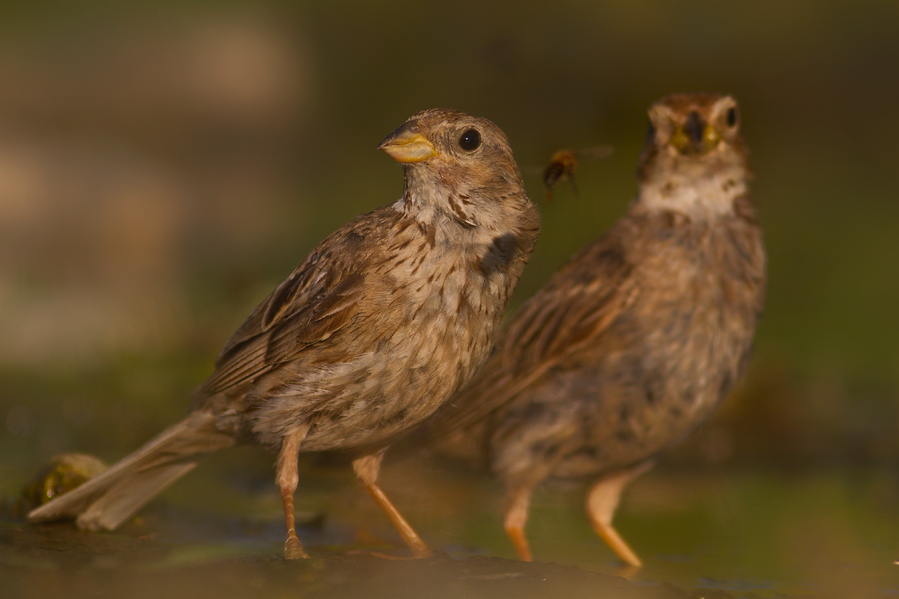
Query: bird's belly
[613, 409]
[670, 390]
[377, 395]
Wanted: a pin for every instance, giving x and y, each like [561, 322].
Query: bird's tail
[107, 500]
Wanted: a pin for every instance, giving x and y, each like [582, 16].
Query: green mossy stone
[63, 473]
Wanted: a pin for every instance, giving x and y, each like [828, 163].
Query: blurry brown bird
[636, 340]
[381, 323]
[563, 164]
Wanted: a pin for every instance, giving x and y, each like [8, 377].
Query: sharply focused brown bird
[637, 339]
[378, 326]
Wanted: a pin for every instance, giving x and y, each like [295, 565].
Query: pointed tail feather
[104, 502]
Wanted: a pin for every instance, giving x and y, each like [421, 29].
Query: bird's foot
[293, 549]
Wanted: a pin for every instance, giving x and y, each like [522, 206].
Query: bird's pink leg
[602, 501]
[287, 478]
[367, 469]
[515, 517]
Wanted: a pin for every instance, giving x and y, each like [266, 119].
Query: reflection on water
[829, 533]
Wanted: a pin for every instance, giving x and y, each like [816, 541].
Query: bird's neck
[467, 214]
[710, 195]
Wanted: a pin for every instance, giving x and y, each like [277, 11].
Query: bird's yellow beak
[406, 144]
[695, 137]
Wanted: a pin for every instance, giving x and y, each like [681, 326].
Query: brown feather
[637, 339]
[380, 324]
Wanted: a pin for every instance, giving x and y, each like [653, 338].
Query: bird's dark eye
[732, 117]
[470, 140]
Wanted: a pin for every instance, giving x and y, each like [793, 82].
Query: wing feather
[314, 303]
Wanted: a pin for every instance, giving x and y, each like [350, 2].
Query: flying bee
[563, 164]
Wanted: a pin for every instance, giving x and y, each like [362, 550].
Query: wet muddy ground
[218, 533]
[49, 561]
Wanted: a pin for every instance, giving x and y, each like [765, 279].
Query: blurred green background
[163, 166]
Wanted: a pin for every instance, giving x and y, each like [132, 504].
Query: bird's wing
[572, 310]
[316, 301]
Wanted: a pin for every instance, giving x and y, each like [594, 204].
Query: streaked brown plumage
[636, 340]
[380, 324]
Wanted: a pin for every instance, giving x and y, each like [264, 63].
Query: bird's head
[693, 129]
[693, 141]
[456, 164]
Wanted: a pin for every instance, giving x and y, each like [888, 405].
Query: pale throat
[447, 231]
[432, 207]
[412, 206]
[711, 195]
